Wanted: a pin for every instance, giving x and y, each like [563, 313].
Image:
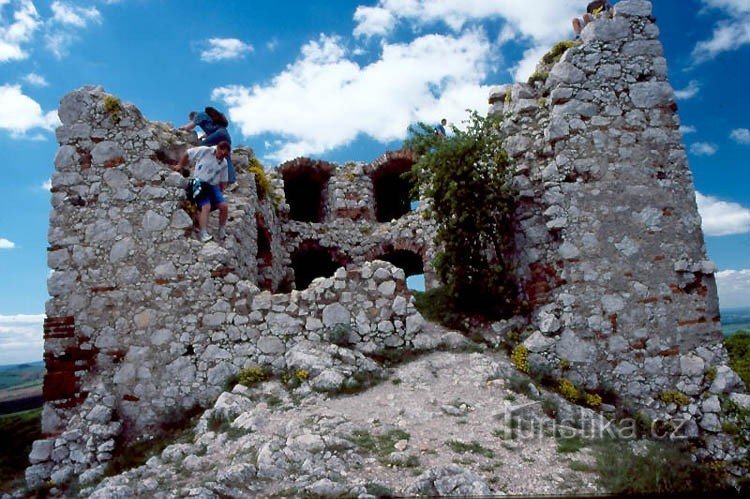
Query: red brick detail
[670, 352]
[130, 398]
[61, 383]
[613, 322]
[161, 281]
[659, 258]
[103, 289]
[639, 345]
[353, 213]
[702, 320]
[59, 327]
[85, 159]
[112, 163]
[649, 300]
[667, 212]
[222, 271]
[543, 280]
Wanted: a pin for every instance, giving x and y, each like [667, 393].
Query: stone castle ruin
[145, 323]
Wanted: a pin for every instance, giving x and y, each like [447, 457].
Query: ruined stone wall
[145, 322]
[611, 251]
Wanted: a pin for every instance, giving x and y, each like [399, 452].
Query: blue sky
[340, 80]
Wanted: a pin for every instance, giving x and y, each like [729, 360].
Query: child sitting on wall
[593, 10]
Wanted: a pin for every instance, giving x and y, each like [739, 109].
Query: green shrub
[738, 348]
[113, 107]
[675, 397]
[436, 305]
[520, 358]
[658, 468]
[557, 51]
[253, 375]
[339, 334]
[468, 177]
[568, 390]
[538, 76]
[262, 184]
[569, 444]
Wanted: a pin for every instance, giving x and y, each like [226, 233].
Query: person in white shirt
[211, 170]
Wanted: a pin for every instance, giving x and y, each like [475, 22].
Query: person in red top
[594, 9]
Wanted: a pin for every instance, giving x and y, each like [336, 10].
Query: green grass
[17, 432]
[380, 445]
[570, 444]
[658, 468]
[738, 348]
[473, 447]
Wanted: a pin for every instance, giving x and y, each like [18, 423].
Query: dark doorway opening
[393, 192]
[306, 188]
[311, 261]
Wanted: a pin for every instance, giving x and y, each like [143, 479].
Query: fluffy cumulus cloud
[722, 218]
[703, 149]
[541, 23]
[18, 22]
[729, 34]
[325, 99]
[688, 92]
[220, 49]
[21, 338]
[6, 244]
[741, 135]
[734, 288]
[20, 113]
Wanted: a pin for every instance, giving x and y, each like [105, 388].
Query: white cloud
[35, 80]
[703, 149]
[225, 48]
[47, 185]
[6, 244]
[373, 21]
[687, 129]
[541, 22]
[71, 15]
[20, 113]
[688, 92]
[728, 34]
[325, 100]
[21, 338]
[15, 33]
[722, 218]
[734, 288]
[741, 135]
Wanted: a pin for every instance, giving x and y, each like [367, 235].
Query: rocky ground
[446, 423]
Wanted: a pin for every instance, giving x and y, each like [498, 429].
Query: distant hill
[21, 375]
[735, 319]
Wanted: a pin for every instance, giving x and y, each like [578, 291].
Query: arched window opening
[393, 192]
[409, 261]
[306, 188]
[311, 261]
[265, 259]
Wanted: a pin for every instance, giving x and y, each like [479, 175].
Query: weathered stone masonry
[145, 322]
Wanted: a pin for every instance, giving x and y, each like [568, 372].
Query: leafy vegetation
[557, 51]
[253, 375]
[17, 432]
[113, 107]
[538, 76]
[437, 306]
[653, 468]
[467, 175]
[262, 184]
[738, 348]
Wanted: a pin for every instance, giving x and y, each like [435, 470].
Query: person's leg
[205, 208]
[577, 26]
[587, 18]
[223, 214]
[232, 174]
